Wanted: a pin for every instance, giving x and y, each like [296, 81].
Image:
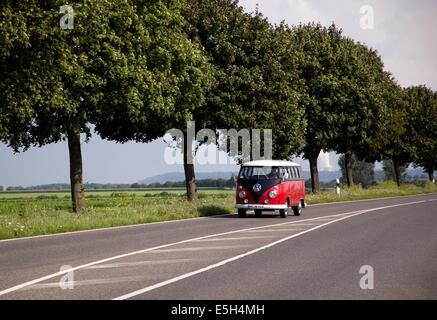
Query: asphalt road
[319, 255]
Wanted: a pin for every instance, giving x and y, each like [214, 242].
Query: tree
[359, 102]
[123, 67]
[320, 61]
[393, 140]
[253, 67]
[422, 110]
[1, 188]
[393, 174]
[173, 87]
[362, 172]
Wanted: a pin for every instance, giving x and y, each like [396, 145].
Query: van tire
[242, 213]
[298, 209]
[284, 212]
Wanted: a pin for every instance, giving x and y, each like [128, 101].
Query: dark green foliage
[422, 127]
[254, 71]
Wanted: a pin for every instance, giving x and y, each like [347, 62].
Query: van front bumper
[261, 206]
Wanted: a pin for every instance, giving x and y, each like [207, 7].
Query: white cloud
[324, 162]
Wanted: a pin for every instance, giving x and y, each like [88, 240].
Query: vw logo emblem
[257, 187]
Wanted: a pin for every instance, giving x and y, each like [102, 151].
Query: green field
[31, 216]
[65, 194]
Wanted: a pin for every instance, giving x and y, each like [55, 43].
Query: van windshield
[259, 173]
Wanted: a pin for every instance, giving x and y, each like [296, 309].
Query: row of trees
[134, 69]
[363, 172]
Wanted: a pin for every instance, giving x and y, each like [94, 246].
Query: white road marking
[139, 263]
[87, 282]
[195, 249]
[274, 230]
[237, 238]
[344, 215]
[226, 261]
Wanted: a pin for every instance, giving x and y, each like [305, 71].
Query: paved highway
[373, 249]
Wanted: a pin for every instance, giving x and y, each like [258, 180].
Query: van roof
[270, 163]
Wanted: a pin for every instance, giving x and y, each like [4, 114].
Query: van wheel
[258, 213]
[298, 209]
[241, 213]
[284, 212]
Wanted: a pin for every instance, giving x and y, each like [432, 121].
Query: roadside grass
[21, 218]
[96, 194]
[33, 216]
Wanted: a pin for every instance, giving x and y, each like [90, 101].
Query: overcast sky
[403, 32]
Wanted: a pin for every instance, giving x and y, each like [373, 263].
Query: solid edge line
[190, 219]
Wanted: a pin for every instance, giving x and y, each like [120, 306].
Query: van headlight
[272, 194]
[242, 194]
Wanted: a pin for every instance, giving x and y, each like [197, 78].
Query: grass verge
[21, 218]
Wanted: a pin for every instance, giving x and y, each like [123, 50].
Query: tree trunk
[315, 184]
[397, 169]
[77, 191]
[190, 179]
[348, 167]
[430, 172]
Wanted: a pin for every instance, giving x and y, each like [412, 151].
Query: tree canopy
[422, 128]
[125, 67]
[254, 70]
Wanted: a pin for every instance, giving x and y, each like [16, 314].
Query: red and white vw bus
[268, 185]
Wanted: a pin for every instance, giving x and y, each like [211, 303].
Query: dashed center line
[237, 238]
[195, 249]
[138, 263]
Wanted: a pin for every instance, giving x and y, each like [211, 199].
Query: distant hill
[324, 176]
[179, 176]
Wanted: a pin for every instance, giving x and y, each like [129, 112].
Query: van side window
[290, 175]
[285, 173]
[298, 173]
